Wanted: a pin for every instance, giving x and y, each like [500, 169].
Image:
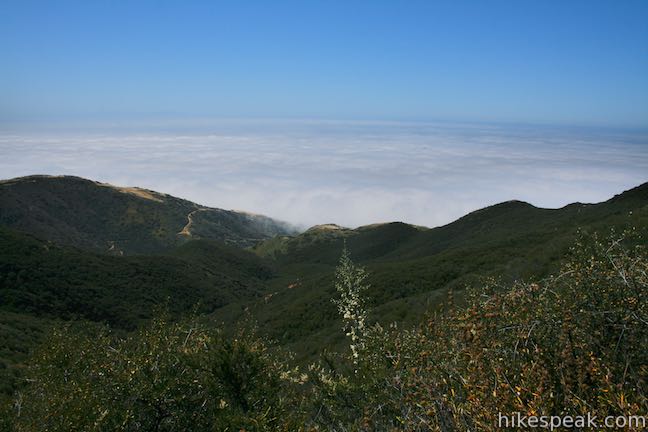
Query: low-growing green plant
[166, 377]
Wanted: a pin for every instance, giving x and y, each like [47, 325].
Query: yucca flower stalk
[350, 283]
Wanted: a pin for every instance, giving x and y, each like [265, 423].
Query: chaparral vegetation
[569, 344]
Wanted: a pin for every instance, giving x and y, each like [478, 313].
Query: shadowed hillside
[121, 220]
[42, 283]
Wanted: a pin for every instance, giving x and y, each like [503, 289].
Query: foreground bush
[167, 377]
[572, 344]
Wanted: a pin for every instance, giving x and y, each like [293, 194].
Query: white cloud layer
[350, 173]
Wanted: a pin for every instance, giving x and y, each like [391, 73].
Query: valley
[60, 236]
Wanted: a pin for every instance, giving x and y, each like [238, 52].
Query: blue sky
[350, 112]
[553, 62]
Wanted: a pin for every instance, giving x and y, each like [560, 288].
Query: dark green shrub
[166, 377]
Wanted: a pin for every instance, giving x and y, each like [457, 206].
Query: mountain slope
[412, 268]
[286, 285]
[42, 282]
[492, 225]
[117, 220]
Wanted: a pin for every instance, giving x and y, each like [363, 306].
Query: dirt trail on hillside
[186, 231]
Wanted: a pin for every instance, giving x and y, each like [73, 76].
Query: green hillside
[573, 343]
[121, 220]
[41, 283]
[412, 268]
[55, 264]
